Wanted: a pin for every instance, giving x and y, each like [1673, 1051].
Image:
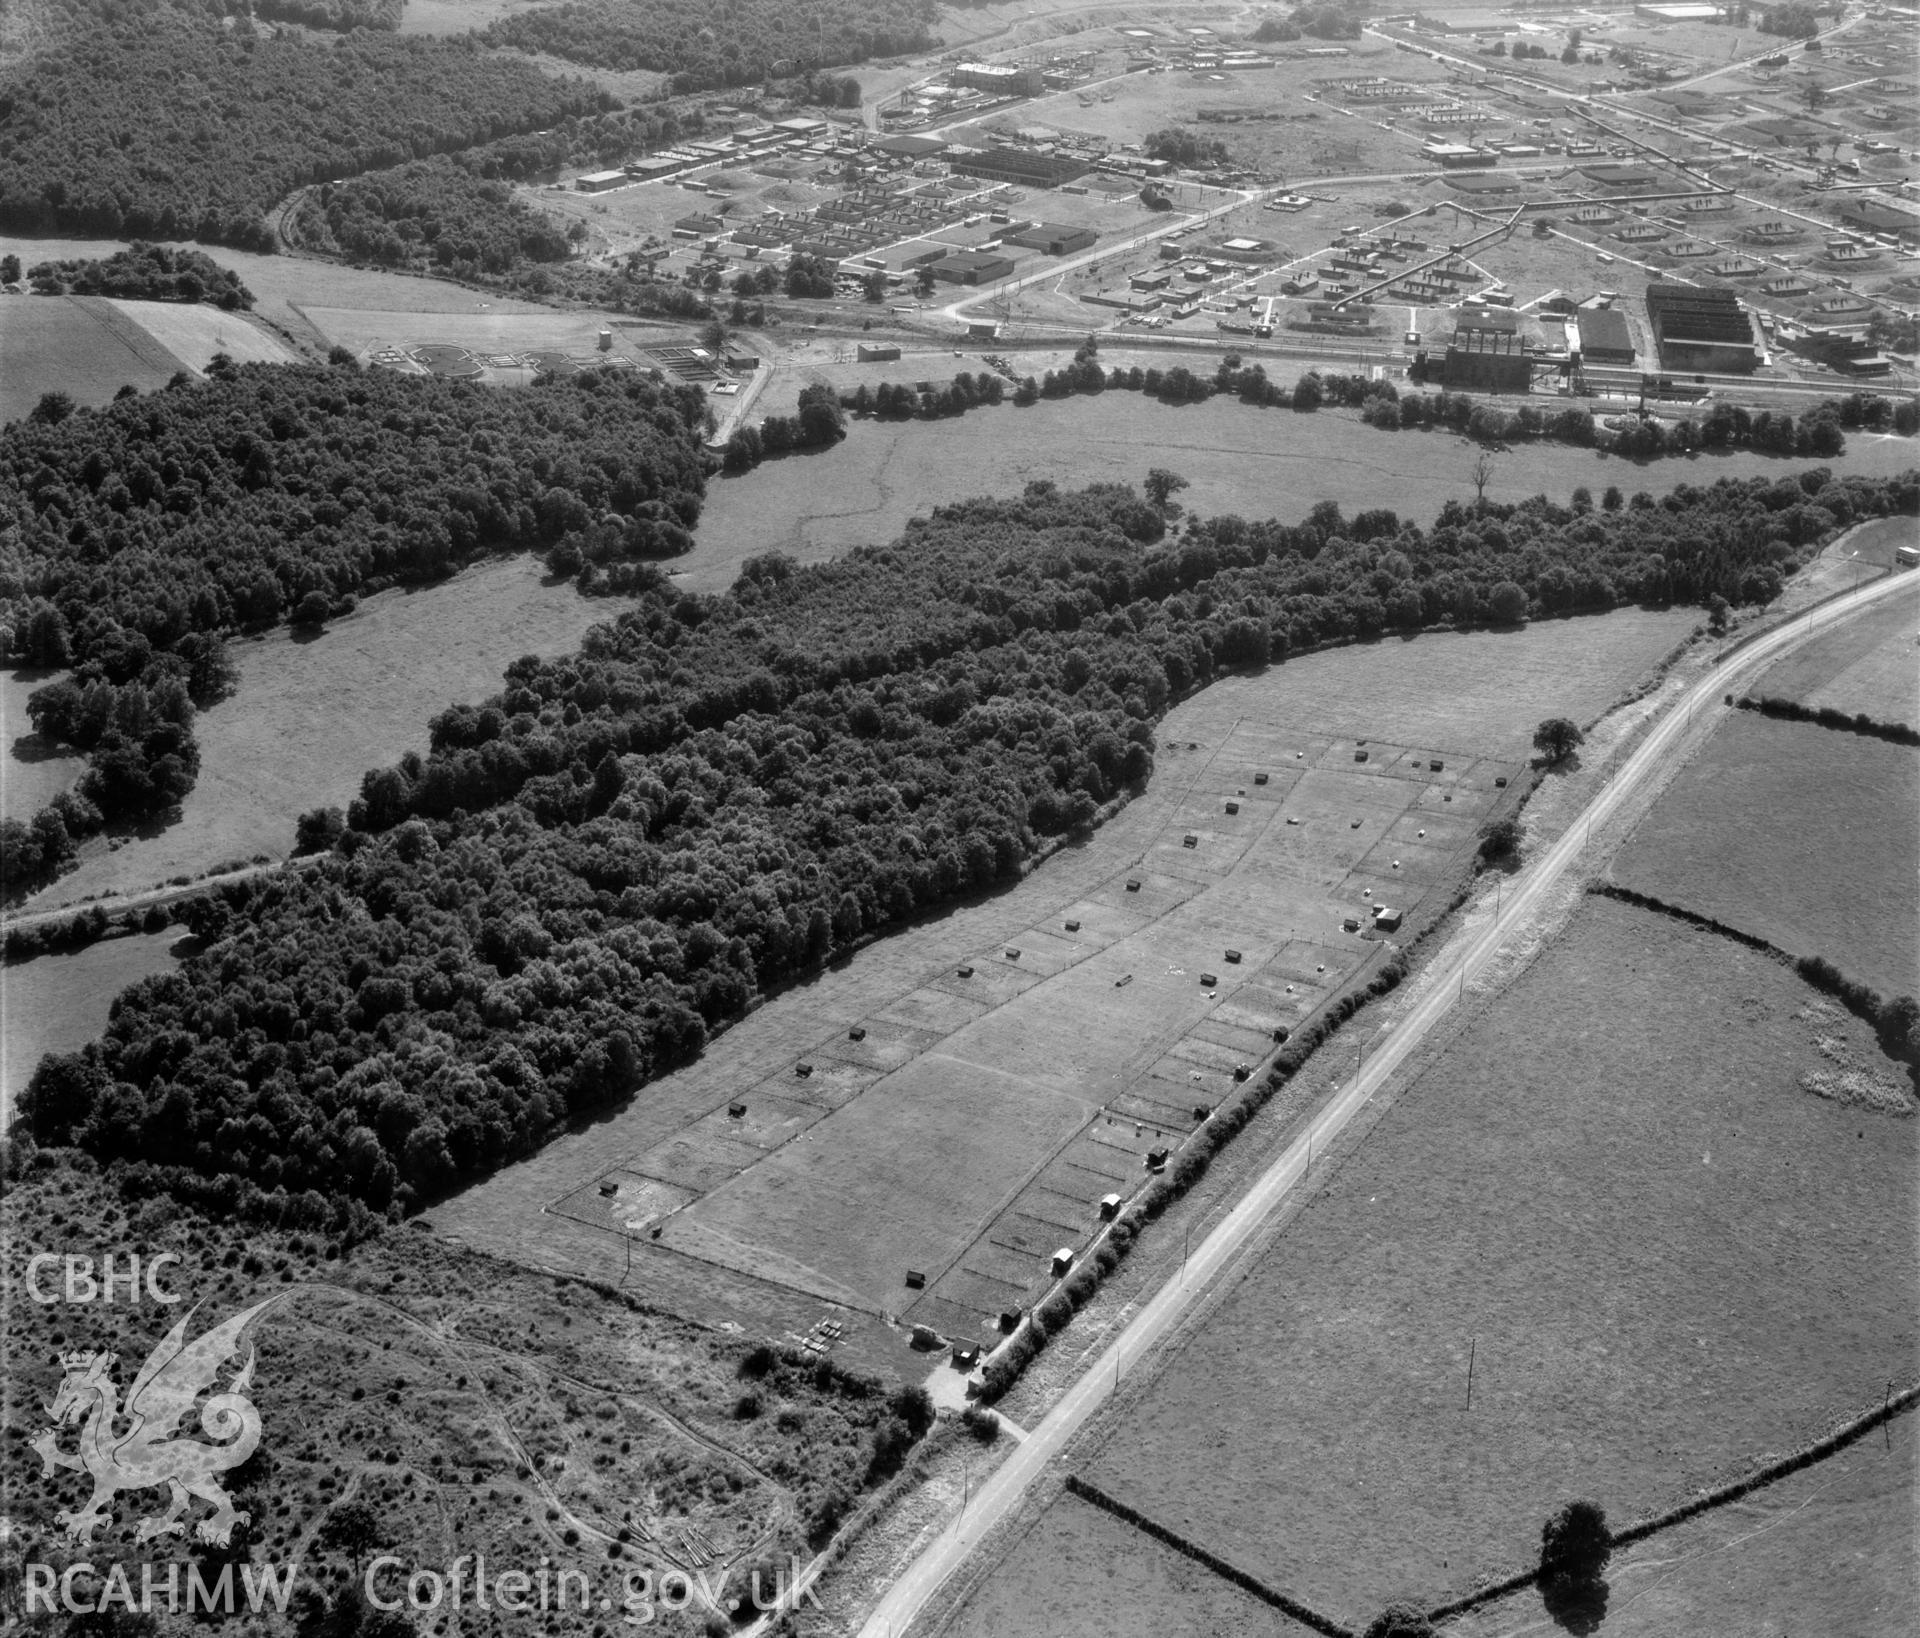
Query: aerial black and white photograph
[927, 819]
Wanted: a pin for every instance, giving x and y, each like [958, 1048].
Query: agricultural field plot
[367, 331]
[1869, 665]
[310, 717]
[32, 774]
[905, 993]
[69, 344]
[1830, 1549]
[1638, 1090]
[1801, 834]
[58, 1003]
[283, 285]
[195, 333]
[1258, 463]
[1124, 1582]
[960, 1156]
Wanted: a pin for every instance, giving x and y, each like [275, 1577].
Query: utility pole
[1472, 1347]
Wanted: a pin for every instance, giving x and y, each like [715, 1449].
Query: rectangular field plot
[1830, 871]
[900, 1178]
[883, 1046]
[765, 1121]
[635, 1203]
[989, 981]
[935, 1011]
[1869, 664]
[831, 1083]
[698, 1158]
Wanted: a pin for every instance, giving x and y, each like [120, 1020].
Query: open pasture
[1829, 1550]
[1801, 834]
[1121, 1581]
[195, 332]
[1666, 1257]
[310, 716]
[1870, 664]
[73, 344]
[1258, 463]
[58, 1003]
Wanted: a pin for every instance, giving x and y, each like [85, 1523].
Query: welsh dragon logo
[144, 1453]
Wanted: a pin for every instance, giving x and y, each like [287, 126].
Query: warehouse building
[1605, 337]
[973, 267]
[1018, 166]
[1701, 328]
[1053, 239]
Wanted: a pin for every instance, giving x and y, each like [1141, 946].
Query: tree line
[135, 538]
[759, 39]
[144, 272]
[166, 119]
[586, 873]
[1818, 434]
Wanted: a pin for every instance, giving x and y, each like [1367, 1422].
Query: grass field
[58, 1003]
[194, 333]
[1869, 664]
[1829, 1550]
[309, 717]
[30, 776]
[976, 1125]
[1259, 463]
[1800, 834]
[64, 344]
[1667, 1259]
[1127, 1583]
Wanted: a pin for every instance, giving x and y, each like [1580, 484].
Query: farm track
[1220, 1256]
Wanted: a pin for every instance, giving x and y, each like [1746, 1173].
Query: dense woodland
[144, 272]
[591, 870]
[134, 537]
[759, 38]
[341, 15]
[430, 214]
[162, 119]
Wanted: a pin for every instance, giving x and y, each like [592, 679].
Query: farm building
[1052, 239]
[1017, 166]
[1701, 328]
[1487, 359]
[1605, 337]
[600, 181]
[973, 267]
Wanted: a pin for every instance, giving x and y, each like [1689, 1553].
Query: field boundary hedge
[1772, 705]
[1895, 1020]
[1808, 1455]
[1246, 1582]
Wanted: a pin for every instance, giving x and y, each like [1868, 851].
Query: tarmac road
[1001, 1494]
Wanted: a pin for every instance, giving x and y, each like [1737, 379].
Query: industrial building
[1019, 166]
[1605, 337]
[1701, 328]
[973, 267]
[600, 181]
[1486, 354]
[1000, 81]
[1053, 239]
